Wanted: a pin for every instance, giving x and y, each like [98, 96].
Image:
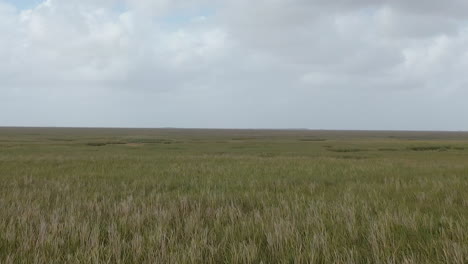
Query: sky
[316, 64]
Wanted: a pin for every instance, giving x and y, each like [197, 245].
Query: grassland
[232, 196]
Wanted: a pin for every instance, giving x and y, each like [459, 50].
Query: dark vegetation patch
[345, 150]
[152, 141]
[96, 144]
[430, 148]
[60, 139]
[133, 141]
[243, 138]
[101, 144]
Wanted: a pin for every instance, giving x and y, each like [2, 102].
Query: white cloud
[258, 62]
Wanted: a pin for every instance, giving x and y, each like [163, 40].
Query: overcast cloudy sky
[320, 64]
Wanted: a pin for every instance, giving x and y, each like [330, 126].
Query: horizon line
[259, 129]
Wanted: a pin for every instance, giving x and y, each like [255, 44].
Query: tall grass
[209, 201]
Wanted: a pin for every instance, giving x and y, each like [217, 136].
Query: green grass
[232, 196]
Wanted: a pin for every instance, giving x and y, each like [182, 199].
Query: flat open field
[232, 196]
